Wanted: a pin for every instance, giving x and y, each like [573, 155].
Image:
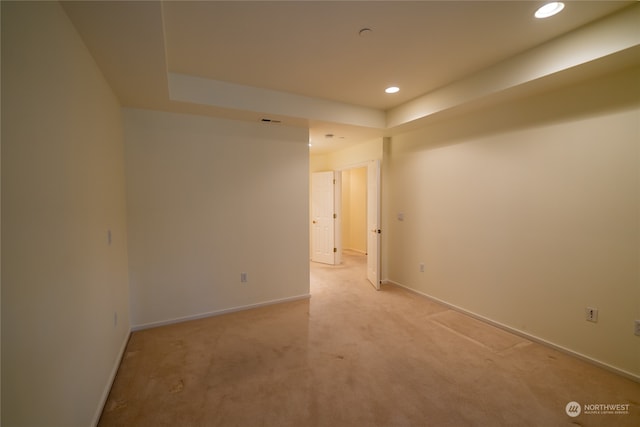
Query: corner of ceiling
[601, 39]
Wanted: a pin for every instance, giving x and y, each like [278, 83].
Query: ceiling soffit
[309, 67]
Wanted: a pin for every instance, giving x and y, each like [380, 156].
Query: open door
[323, 245]
[373, 223]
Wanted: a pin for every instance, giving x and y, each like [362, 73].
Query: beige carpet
[353, 356]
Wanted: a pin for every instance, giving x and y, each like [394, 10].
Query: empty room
[320, 213]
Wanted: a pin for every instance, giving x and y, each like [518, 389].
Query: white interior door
[322, 217]
[373, 223]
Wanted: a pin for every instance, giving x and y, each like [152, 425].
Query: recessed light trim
[392, 89]
[549, 9]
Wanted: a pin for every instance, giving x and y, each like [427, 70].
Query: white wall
[62, 189]
[209, 199]
[529, 212]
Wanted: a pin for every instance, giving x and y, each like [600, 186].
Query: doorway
[354, 210]
[346, 215]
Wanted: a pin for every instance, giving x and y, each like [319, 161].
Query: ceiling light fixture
[549, 9]
[392, 89]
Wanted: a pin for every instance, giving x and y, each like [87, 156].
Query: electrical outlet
[422, 267]
[636, 329]
[591, 314]
[243, 277]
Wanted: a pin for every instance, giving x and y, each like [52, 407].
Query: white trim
[112, 377]
[522, 334]
[217, 312]
[357, 251]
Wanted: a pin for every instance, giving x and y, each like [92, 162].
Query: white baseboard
[522, 334]
[357, 251]
[112, 377]
[217, 312]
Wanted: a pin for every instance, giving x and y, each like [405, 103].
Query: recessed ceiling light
[549, 9]
[392, 89]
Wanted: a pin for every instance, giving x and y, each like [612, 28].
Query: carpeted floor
[353, 356]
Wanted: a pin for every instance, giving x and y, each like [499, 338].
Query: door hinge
[334, 182]
[335, 250]
[335, 216]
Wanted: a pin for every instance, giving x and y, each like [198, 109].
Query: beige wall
[350, 157]
[62, 190]
[355, 155]
[527, 213]
[354, 209]
[209, 199]
[318, 163]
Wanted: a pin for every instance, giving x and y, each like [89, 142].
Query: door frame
[338, 231]
[374, 211]
[338, 210]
